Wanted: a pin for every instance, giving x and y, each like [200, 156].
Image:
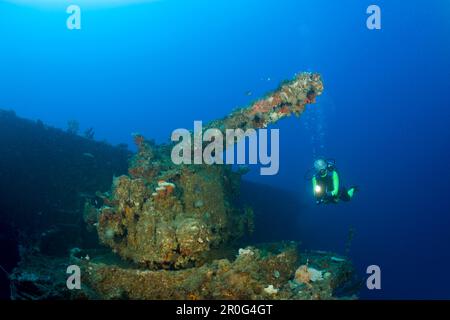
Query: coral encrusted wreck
[175, 227]
[172, 216]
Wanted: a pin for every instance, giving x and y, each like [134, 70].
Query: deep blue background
[384, 115]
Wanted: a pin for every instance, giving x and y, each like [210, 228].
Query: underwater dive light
[318, 189]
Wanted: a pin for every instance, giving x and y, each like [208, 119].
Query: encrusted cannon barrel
[290, 98]
[171, 216]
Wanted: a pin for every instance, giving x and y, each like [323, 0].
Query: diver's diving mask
[321, 166]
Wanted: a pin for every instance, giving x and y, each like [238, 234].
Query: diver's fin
[351, 191]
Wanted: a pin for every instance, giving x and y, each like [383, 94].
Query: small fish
[248, 93]
[336, 259]
[88, 155]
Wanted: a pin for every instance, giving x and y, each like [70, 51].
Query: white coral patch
[315, 275]
[270, 290]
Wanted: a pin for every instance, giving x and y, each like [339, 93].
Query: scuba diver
[326, 183]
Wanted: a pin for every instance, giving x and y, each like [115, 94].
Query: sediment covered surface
[271, 271]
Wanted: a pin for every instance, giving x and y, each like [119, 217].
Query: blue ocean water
[156, 66]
